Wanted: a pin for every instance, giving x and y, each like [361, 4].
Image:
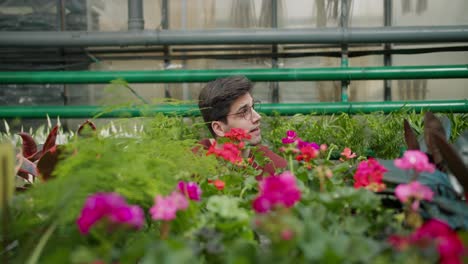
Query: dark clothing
[276, 161]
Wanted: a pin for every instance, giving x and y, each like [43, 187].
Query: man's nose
[255, 116]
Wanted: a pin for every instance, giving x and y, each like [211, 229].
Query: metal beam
[388, 11]
[344, 17]
[454, 106]
[428, 34]
[165, 12]
[261, 75]
[135, 15]
[274, 86]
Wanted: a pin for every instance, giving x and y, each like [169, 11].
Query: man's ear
[219, 128]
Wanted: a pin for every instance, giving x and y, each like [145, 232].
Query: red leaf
[29, 145]
[35, 156]
[47, 163]
[410, 138]
[23, 174]
[27, 167]
[433, 125]
[21, 189]
[50, 141]
[453, 159]
[83, 130]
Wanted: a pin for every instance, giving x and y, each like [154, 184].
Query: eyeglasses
[246, 111]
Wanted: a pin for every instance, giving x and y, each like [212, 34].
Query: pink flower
[277, 190]
[287, 234]
[191, 190]
[369, 175]
[113, 208]
[165, 208]
[323, 147]
[447, 242]
[291, 137]
[414, 191]
[347, 154]
[416, 160]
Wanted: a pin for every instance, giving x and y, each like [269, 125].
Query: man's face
[242, 115]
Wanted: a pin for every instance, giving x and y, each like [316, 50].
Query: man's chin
[255, 141]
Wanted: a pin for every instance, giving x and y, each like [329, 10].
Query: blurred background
[100, 15]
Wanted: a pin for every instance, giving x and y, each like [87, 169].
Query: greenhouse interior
[233, 131]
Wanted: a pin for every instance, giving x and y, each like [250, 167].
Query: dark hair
[217, 96]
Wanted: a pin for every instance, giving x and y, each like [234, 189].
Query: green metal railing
[257, 75]
[453, 106]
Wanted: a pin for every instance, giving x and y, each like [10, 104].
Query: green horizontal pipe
[451, 106]
[290, 74]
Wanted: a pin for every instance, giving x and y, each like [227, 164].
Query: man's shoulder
[276, 159]
[265, 149]
[206, 143]
[202, 144]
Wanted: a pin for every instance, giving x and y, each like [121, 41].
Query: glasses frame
[248, 113]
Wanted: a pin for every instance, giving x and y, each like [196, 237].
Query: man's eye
[243, 112]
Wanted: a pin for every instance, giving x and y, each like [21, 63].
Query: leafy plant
[330, 221]
[377, 134]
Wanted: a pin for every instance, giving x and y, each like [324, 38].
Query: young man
[227, 103]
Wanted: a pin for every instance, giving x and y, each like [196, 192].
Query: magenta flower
[277, 190]
[414, 160]
[165, 208]
[369, 175]
[191, 190]
[301, 144]
[132, 215]
[436, 232]
[413, 191]
[291, 137]
[261, 204]
[111, 207]
[448, 243]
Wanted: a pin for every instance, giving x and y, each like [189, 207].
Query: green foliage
[459, 125]
[168, 252]
[377, 134]
[333, 222]
[137, 168]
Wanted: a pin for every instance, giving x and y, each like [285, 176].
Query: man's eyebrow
[243, 107]
[241, 110]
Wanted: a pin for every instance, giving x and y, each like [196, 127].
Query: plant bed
[146, 197]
